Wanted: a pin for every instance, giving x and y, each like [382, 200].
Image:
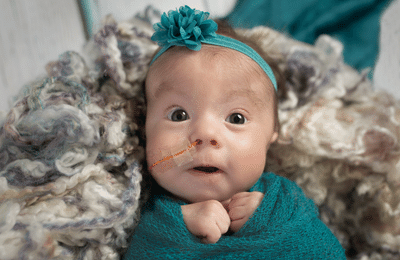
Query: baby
[215, 97]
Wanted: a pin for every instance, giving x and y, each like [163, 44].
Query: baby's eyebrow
[243, 92]
[248, 93]
[163, 88]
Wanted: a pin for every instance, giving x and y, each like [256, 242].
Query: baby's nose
[208, 133]
[212, 142]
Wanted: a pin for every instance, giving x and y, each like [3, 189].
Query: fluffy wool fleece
[70, 156]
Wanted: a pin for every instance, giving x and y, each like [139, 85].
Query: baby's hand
[207, 219]
[241, 206]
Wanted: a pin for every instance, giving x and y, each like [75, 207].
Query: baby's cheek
[251, 150]
[151, 156]
[255, 159]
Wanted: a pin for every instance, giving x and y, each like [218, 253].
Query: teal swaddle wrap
[285, 226]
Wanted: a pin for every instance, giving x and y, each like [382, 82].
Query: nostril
[213, 142]
[198, 141]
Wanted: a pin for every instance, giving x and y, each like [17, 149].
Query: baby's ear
[274, 137]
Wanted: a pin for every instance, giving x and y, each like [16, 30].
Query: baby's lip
[206, 169]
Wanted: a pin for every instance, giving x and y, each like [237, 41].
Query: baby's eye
[178, 115]
[236, 118]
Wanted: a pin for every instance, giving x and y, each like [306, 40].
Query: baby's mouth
[206, 169]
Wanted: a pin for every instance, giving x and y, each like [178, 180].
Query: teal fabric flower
[186, 27]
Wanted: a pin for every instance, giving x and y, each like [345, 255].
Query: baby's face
[222, 100]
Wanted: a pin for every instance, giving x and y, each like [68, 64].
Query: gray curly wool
[70, 153]
[339, 142]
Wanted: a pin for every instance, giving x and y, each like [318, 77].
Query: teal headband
[189, 27]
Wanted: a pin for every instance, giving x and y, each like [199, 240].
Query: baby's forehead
[211, 52]
[220, 57]
[250, 79]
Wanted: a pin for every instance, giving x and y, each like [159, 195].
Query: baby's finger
[225, 204]
[219, 224]
[212, 237]
[238, 224]
[250, 200]
[223, 222]
[241, 195]
[215, 233]
[237, 213]
[239, 201]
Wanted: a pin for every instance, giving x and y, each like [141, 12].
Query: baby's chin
[200, 197]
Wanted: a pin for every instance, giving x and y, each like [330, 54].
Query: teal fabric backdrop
[354, 22]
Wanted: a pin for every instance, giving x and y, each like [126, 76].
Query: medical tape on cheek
[175, 157]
